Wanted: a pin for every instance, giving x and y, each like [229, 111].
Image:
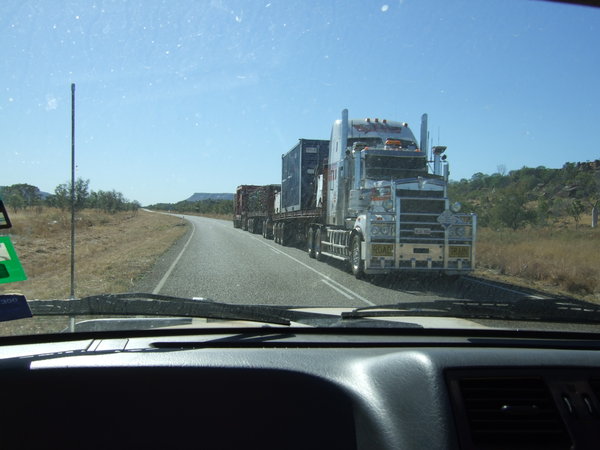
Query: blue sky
[177, 97]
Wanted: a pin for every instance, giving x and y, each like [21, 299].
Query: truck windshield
[394, 167]
[360, 143]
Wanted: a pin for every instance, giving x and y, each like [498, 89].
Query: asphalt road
[216, 261]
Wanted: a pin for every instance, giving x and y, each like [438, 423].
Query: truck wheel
[356, 262]
[317, 245]
[283, 240]
[310, 242]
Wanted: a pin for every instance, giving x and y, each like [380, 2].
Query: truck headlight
[455, 207]
[456, 231]
[381, 229]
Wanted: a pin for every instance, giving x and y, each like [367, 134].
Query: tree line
[209, 206]
[25, 196]
[530, 196]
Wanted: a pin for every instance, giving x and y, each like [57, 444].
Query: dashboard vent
[515, 413]
[595, 385]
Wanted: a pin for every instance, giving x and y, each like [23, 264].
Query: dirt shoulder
[113, 251]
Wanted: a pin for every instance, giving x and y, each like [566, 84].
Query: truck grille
[418, 216]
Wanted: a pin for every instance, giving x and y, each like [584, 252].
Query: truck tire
[283, 240]
[317, 245]
[310, 242]
[356, 262]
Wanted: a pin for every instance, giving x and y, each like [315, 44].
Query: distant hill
[201, 196]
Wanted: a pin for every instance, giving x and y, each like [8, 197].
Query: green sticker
[11, 269]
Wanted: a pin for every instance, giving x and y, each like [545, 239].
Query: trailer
[301, 199]
[240, 205]
[254, 208]
[261, 203]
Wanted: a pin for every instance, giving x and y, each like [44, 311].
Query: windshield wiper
[561, 310]
[139, 304]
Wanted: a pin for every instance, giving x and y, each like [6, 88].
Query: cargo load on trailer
[254, 207]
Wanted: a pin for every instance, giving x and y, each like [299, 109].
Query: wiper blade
[560, 310]
[140, 304]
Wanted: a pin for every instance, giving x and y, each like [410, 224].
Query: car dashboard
[302, 388]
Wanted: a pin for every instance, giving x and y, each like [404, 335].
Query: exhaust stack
[424, 134]
[344, 142]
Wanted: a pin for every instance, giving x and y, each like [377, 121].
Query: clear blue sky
[177, 97]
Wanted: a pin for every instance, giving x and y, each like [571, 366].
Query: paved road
[226, 264]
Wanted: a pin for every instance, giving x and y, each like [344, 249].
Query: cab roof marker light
[368, 119]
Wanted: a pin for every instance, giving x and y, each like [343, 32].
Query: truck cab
[385, 205]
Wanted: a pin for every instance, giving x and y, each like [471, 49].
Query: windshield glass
[392, 167]
[211, 151]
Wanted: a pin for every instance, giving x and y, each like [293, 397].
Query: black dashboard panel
[159, 407]
[179, 391]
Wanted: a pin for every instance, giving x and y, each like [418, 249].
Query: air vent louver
[512, 413]
[595, 385]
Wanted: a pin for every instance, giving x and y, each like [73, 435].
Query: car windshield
[217, 152]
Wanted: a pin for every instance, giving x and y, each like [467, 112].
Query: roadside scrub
[112, 250]
[561, 260]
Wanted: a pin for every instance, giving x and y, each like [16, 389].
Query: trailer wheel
[283, 240]
[356, 262]
[317, 245]
[310, 242]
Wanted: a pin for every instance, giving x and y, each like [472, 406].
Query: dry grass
[112, 250]
[562, 260]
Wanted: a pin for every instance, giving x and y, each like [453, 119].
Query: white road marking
[495, 286]
[337, 289]
[332, 281]
[161, 283]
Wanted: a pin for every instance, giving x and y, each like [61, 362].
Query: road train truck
[372, 197]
